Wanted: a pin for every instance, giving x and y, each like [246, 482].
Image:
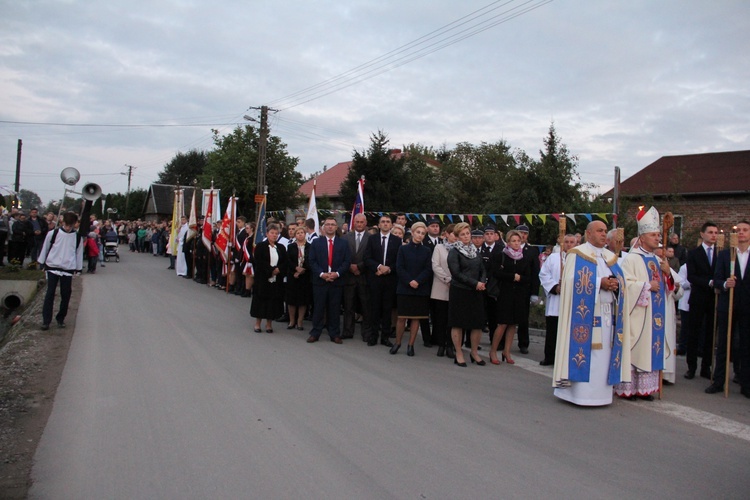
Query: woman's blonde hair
[417, 225]
[460, 227]
[512, 233]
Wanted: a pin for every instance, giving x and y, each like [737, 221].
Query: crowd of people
[611, 315]
[453, 282]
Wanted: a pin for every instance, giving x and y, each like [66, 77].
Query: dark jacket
[504, 269]
[741, 289]
[414, 262]
[466, 272]
[21, 231]
[292, 254]
[263, 270]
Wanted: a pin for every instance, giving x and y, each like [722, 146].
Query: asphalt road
[167, 393]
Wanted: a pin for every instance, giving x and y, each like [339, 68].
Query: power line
[387, 62]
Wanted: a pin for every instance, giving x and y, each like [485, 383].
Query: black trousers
[357, 294]
[66, 287]
[550, 338]
[383, 298]
[441, 335]
[740, 347]
[700, 341]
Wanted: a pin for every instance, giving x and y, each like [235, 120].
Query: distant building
[695, 188]
[159, 202]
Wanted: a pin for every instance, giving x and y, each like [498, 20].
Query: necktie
[710, 254]
[330, 254]
[359, 240]
[382, 247]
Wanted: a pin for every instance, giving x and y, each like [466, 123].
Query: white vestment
[549, 276]
[181, 264]
[595, 392]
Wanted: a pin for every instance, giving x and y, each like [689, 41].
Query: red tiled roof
[697, 174]
[329, 182]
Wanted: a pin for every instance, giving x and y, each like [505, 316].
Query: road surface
[167, 393]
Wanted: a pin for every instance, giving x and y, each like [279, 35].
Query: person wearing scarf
[513, 270]
[466, 294]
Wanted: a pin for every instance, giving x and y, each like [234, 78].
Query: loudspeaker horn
[91, 191]
[70, 176]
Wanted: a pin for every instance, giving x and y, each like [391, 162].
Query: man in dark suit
[356, 291]
[724, 281]
[701, 265]
[329, 262]
[380, 260]
[489, 248]
[533, 253]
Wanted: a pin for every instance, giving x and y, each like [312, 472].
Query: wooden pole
[561, 240]
[732, 257]
[667, 223]
[719, 247]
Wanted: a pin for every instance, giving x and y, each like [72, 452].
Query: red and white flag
[226, 233]
[207, 229]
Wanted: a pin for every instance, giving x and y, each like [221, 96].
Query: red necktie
[330, 254]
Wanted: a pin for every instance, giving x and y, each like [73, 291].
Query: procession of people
[611, 314]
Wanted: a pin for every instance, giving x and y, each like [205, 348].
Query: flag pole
[732, 257]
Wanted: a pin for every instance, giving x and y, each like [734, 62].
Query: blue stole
[583, 321]
[658, 312]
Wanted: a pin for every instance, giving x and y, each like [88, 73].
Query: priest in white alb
[649, 281]
[550, 277]
[592, 351]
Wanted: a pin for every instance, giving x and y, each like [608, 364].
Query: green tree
[475, 178]
[29, 200]
[233, 167]
[183, 168]
[382, 173]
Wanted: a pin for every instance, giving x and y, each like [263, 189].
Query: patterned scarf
[513, 254]
[469, 251]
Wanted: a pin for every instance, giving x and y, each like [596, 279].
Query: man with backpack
[61, 256]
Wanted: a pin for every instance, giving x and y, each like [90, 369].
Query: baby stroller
[110, 246]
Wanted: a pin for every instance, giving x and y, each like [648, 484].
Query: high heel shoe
[508, 359]
[462, 365]
[494, 361]
[481, 362]
[410, 350]
[394, 348]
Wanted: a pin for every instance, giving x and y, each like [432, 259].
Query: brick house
[695, 188]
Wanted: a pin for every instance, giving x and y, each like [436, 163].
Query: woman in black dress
[466, 294]
[298, 285]
[414, 273]
[270, 264]
[513, 271]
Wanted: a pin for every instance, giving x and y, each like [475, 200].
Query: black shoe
[462, 365]
[283, 319]
[745, 392]
[690, 374]
[524, 350]
[481, 362]
[410, 350]
[441, 352]
[713, 389]
[706, 372]
[428, 344]
[544, 362]
[372, 342]
[647, 398]
[386, 343]
[450, 351]
[394, 348]
[45, 327]
[61, 324]
[347, 336]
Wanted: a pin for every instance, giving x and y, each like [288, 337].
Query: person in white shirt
[61, 256]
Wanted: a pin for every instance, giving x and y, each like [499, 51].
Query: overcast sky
[625, 82]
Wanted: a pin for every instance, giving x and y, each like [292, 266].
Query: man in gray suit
[356, 289]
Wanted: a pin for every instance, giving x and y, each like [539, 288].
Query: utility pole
[130, 176]
[18, 170]
[260, 187]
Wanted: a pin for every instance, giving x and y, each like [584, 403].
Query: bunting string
[509, 220]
